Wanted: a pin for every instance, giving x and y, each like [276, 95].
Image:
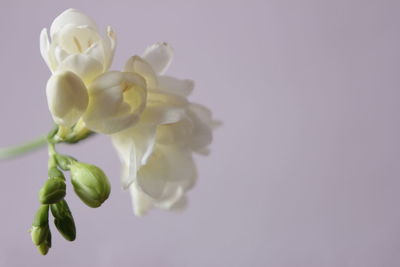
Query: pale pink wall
[304, 173]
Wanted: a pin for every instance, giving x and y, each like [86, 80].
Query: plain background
[304, 172]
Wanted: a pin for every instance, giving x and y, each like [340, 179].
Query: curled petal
[140, 201]
[109, 46]
[67, 97]
[116, 101]
[71, 17]
[159, 56]
[44, 46]
[138, 65]
[175, 86]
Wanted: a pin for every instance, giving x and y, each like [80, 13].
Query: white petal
[116, 101]
[71, 17]
[109, 46]
[96, 52]
[83, 65]
[153, 176]
[159, 56]
[138, 65]
[44, 46]
[140, 201]
[175, 86]
[76, 40]
[202, 127]
[134, 146]
[67, 97]
[178, 133]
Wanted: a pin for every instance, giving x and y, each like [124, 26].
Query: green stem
[10, 152]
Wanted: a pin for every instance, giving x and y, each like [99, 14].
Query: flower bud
[53, 191]
[46, 245]
[40, 226]
[90, 183]
[63, 220]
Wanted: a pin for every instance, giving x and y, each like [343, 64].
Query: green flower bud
[90, 183]
[63, 220]
[52, 191]
[46, 245]
[40, 226]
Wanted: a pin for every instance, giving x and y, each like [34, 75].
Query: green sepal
[64, 161]
[54, 172]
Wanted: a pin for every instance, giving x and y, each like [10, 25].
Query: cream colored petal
[175, 86]
[202, 127]
[134, 146]
[71, 17]
[109, 46]
[138, 65]
[116, 102]
[159, 56]
[44, 46]
[83, 65]
[153, 176]
[67, 97]
[178, 133]
[141, 202]
[96, 51]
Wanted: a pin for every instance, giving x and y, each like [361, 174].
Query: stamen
[78, 45]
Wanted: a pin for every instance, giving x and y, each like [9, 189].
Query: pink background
[304, 172]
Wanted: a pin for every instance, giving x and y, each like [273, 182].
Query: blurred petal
[44, 46]
[140, 201]
[175, 86]
[159, 56]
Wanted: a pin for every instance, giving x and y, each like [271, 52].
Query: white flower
[77, 46]
[156, 154]
[67, 97]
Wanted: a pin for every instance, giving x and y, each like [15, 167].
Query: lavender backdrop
[304, 172]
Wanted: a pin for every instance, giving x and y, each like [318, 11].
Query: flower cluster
[153, 126]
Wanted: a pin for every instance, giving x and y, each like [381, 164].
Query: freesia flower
[76, 55]
[77, 46]
[156, 154]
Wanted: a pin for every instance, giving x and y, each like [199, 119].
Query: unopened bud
[46, 245]
[90, 183]
[40, 226]
[63, 220]
[52, 191]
